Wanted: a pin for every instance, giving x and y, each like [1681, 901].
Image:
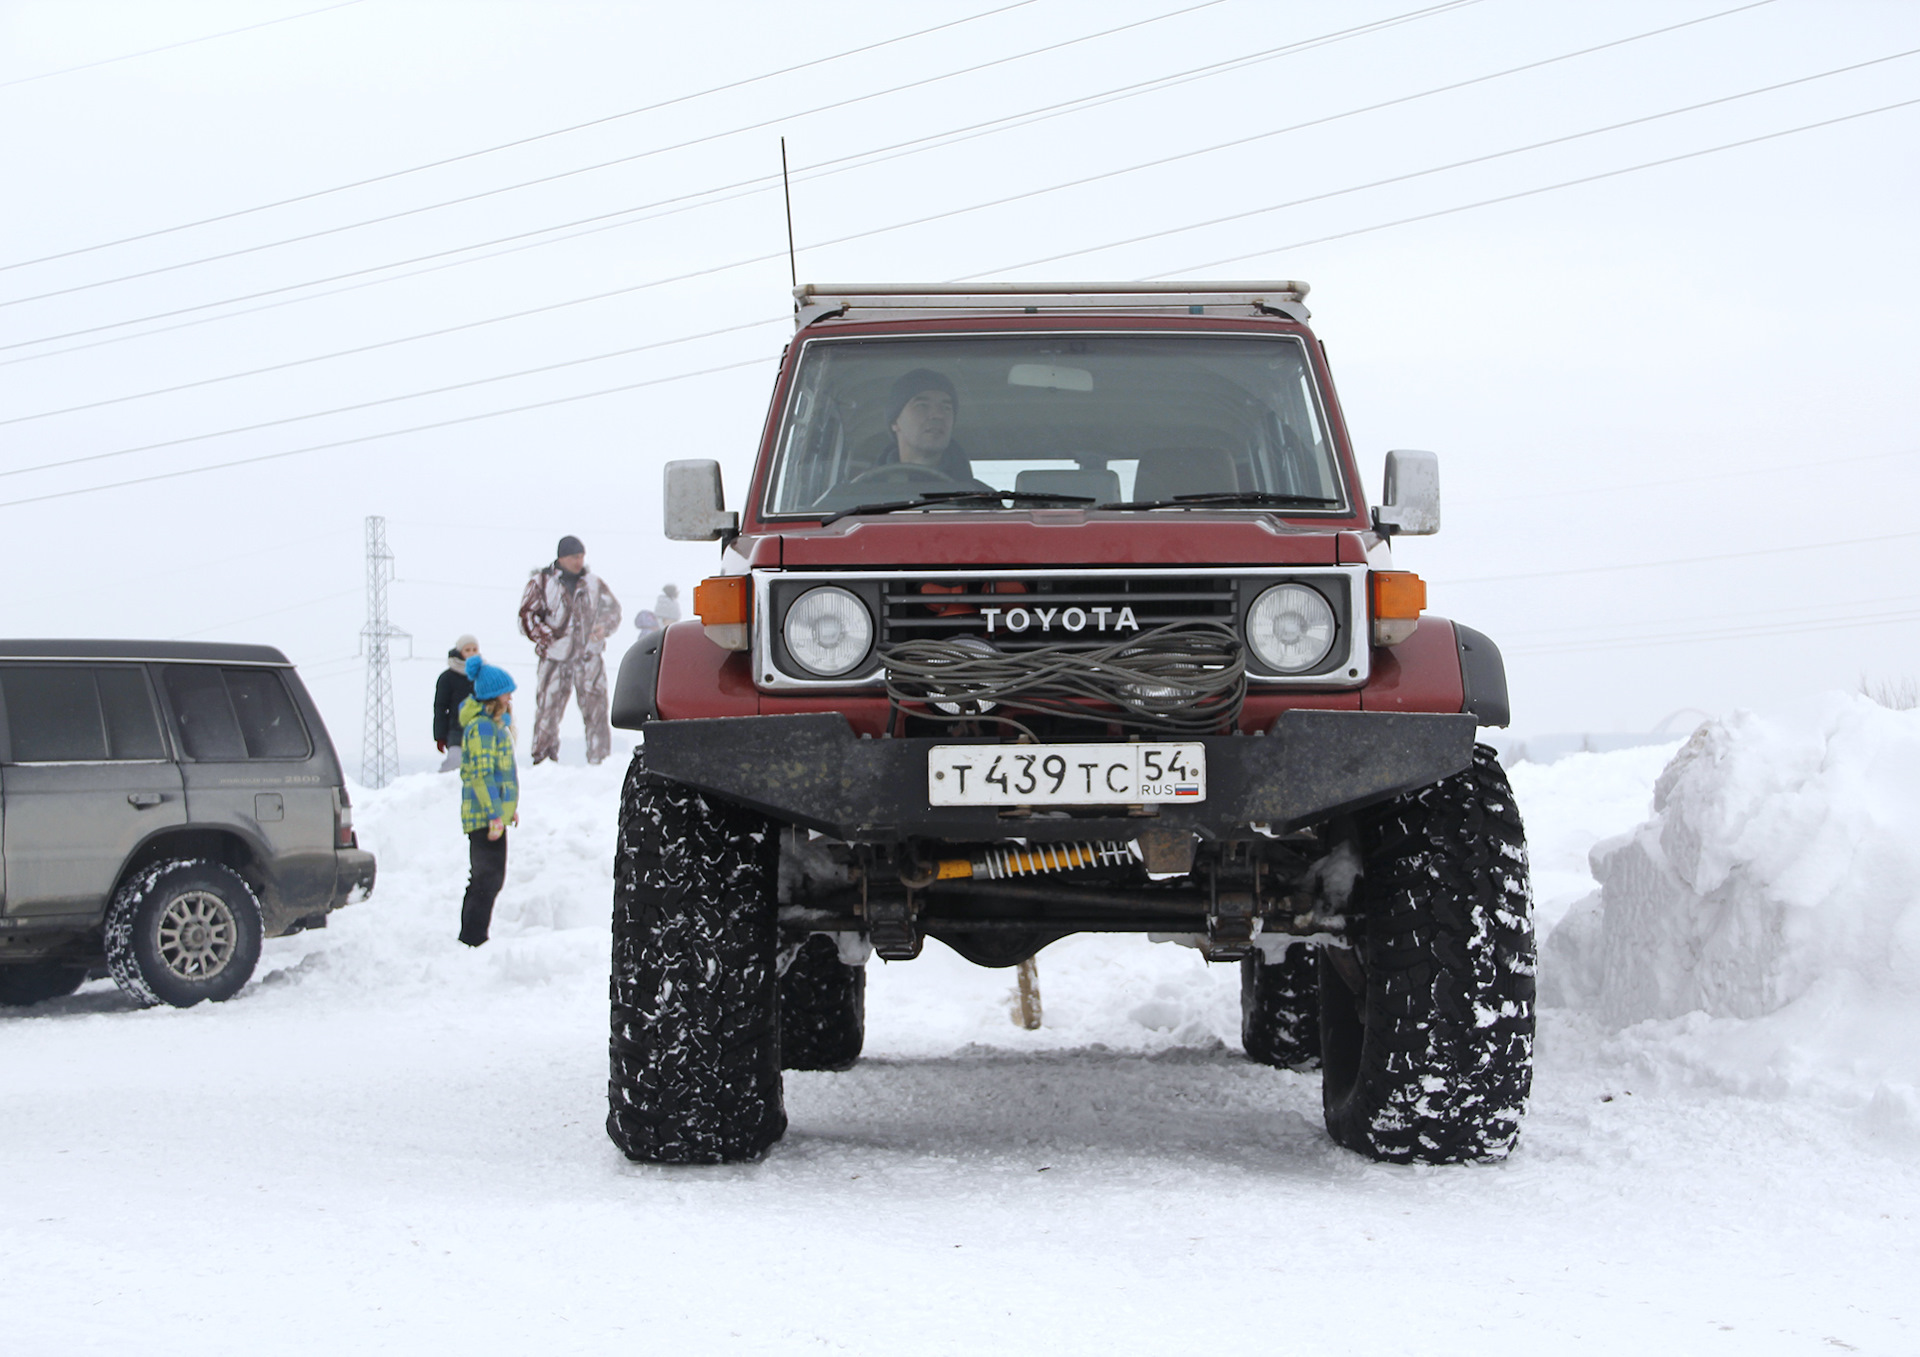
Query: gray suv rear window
[268, 722]
[70, 713]
[227, 715]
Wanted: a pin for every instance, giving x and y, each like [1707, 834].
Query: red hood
[1055, 537]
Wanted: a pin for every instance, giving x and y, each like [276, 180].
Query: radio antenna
[793, 268]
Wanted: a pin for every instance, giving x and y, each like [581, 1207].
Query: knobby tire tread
[1280, 1008]
[823, 1008]
[1434, 1064]
[695, 1038]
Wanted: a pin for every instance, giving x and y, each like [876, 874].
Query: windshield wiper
[1260, 498]
[932, 497]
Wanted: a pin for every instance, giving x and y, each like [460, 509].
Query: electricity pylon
[379, 737]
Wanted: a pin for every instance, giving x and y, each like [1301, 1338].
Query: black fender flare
[636, 690]
[1483, 677]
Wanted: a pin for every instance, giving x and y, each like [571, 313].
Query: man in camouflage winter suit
[568, 612]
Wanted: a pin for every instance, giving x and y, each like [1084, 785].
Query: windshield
[1082, 419]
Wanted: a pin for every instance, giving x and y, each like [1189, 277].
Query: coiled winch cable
[1186, 678]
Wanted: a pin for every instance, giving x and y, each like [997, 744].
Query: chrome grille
[917, 608]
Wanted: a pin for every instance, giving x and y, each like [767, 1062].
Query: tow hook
[892, 923]
[1230, 922]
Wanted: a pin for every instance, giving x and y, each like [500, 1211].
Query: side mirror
[1410, 494]
[695, 504]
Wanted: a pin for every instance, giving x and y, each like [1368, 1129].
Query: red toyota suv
[1055, 609]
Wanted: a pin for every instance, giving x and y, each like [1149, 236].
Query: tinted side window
[133, 727]
[197, 696]
[53, 713]
[268, 721]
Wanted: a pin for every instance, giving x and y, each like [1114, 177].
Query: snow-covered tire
[1280, 1008]
[823, 1008]
[1434, 1062]
[37, 981]
[182, 931]
[695, 1048]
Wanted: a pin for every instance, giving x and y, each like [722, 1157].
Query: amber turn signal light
[722, 599]
[1399, 597]
[725, 605]
[1398, 593]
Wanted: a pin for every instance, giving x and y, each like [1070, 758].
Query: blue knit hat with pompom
[489, 681]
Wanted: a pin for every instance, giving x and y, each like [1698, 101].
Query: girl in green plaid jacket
[489, 793]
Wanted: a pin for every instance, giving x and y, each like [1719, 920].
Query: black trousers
[487, 860]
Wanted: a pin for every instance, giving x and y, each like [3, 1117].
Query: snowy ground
[389, 1144]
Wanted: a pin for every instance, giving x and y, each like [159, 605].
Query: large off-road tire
[37, 981]
[1280, 1008]
[695, 1049]
[823, 1008]
[1433, 1063]
[182, 931]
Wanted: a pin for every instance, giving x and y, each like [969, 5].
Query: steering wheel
[904, 474]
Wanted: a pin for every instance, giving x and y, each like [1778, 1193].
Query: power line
[271, 612]
[1453, 165]
[345, 353]
[172, 46]
[368, 405]
[761, 259]
[626, 159]
[748, 186]
[509, 145]
[1549, 188]
[376, 437]
[1713, 476]
[707, 197]
[838, 165]
[1690, 155]
[1735, 634]
[1581, 632]
[1680, 560]
[1152, 235]
[463, 584]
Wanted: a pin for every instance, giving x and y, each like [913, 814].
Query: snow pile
[1762, 930]
[1571, 804]
[550, 937]
[550, 923]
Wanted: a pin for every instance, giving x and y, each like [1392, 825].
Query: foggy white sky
[1713, 358]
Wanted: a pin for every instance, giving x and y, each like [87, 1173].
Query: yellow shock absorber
[996, 864]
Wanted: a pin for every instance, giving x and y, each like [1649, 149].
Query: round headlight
[1290, 628]
[828, 631]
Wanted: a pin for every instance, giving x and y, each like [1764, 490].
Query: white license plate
[1065, 774]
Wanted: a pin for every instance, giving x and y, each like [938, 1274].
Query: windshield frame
[1324, 409]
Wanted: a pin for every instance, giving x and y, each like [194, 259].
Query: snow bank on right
[1762, 929]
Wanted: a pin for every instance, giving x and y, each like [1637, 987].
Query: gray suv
[164, 807]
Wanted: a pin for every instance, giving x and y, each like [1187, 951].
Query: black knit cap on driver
[908, 385]
[570, 546]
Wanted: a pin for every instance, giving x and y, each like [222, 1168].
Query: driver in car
[921, 409]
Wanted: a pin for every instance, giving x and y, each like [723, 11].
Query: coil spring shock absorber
[997, 864]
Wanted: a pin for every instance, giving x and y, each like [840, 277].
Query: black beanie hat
[911, 384]
[570, 546]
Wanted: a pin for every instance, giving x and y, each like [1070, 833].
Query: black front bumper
[813, 771]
